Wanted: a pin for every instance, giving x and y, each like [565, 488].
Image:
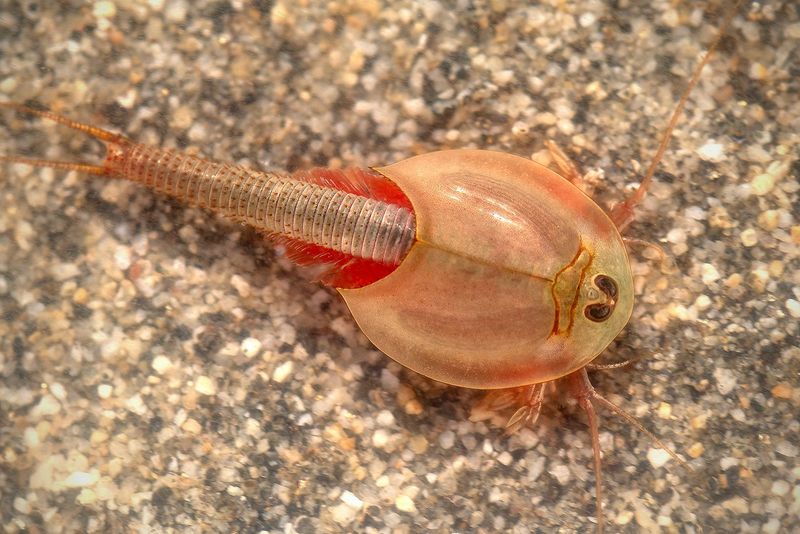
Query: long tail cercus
[354, 225]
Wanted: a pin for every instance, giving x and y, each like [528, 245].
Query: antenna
[622, 214]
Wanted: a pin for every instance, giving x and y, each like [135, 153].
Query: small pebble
[161, 364]
[30, 438]
[80, 479]
[749, 237]
[696, 450]
[624, 517]
[136, 405]
[737, 505]
[709, 273]
[658, 457]
[773, 526]
[58, 391]
[793, 307]
[780, 488]
[404, 503]
[192, 426]
[205, 386]
[712, 151]
[251, 347]
[21, 505]
[343, 514]
[351, 500]
[104, 10]
[762, 184]
[726, 380]
[48, 405]
[104, 391]
[86, 496]
[782, 391]
[385, 418]
[380, 438]
[447, 439]
[561, 473]
[283, 371]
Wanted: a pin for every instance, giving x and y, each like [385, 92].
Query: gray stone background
[162, 370]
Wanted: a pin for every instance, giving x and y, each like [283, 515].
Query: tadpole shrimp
[474, 268]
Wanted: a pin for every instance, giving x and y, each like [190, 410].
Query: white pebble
[773, 526]
[283, 371]
[587, 19]
[81, 479]
[389, 381]
[712, 151]
[780, 488]
[709, 273]
[241, 285]
[702, 302]
[48, 405]
[676, 235]
[104, 10]
[793, 307]
[561, 473]
[380, 438]
[136, 405]
[726, 380]
[404, 503]
[658, 457]
[30, 437]
[205, 386]
[505, 458]
[251, 347]
[351, 500]
[414, 107]
[343, 514]
[21, 505]
[123, 258]
[58, 391]
[161, 364]
[176, 11]
[104, 391]
[447, 439]
[385, 418]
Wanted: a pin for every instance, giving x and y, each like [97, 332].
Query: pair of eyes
[600, 312]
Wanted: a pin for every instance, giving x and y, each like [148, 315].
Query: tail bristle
[107, 137]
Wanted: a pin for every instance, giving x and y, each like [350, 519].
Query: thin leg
[565, 165]
[662, 256]
[528, 413]
[528, 399]
[582, 390]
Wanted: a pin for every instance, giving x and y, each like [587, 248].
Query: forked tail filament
[109, 138]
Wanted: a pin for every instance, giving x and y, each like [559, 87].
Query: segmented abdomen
[281, 204]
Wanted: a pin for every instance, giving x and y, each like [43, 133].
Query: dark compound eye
[598, 312]
[607, 285]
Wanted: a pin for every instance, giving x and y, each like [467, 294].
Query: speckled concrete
[164, 371]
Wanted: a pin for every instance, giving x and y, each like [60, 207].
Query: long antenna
[622, 214]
